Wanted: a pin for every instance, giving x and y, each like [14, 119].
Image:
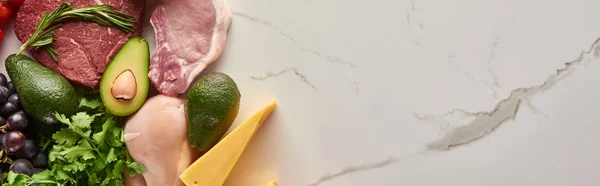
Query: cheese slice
[270, 183]
[213, 167]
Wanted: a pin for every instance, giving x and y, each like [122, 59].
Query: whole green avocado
[43, 92]
[212, 104]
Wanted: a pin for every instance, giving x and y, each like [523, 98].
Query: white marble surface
[421, 92]
[370, 84]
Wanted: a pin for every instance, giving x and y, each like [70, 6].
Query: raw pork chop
[156, 136]
[190, 34]
[84, 48]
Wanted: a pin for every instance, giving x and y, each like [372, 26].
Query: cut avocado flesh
[124, 85]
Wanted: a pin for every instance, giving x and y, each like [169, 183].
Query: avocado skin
[212, 105]
[43, 92]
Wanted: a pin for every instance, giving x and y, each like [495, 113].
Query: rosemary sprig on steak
[43, 36]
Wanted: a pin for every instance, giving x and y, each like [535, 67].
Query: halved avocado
[124, 84]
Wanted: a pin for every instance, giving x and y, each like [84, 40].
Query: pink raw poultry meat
[85, 48]
[156, 137]
[190, 34]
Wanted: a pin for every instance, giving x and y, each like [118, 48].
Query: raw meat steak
[85, 48]
[190, 34]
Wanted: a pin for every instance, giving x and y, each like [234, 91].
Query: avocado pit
[125, 86]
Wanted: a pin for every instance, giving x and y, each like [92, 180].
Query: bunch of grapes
[15, 124]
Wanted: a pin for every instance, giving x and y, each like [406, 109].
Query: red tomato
[6, 13]
[1, 36]
[15, 3]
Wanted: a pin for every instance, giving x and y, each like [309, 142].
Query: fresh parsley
[40, 179]
[90, 149]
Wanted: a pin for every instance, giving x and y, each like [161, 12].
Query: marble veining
[355, 168]
[478, 124]
[535, 109]
[284, 71]
[457, 93]
[328, 57]
[414, 92]
[416, 40]
[464, 127]
[412, 21]
[409, 18]
[494, 84]
[450, 60]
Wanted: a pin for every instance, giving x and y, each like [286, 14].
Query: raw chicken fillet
[156, 137]
[190, 35]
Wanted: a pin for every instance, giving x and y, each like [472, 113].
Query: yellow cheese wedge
[213, 167]
[270, 183]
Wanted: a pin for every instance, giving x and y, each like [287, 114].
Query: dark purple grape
[22, 166]
[11, 88]
[32, 131]
[4, 166]
[3, 80]
[8, 109]
[29, 150]
[17, 121]
[2, 140]
[4, 94]
[15, 100]
[2, 121]
[14, 141]
[40, 160]
[37, 170]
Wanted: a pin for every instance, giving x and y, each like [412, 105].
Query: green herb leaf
[51, 52]
[90, 103]
[74, 167]
[54, 155]
[107, 126]
[80, 123]
[62, 118]
[114, 139]
[73, 153]
[111, 157]
[89, 148]
[42, 176]
[106, 180]
[83, 121]
[118, 169]
[16, 179]
[134, 168]
[62, 175]
[66, 137]
[4, 177]
[99, 165]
